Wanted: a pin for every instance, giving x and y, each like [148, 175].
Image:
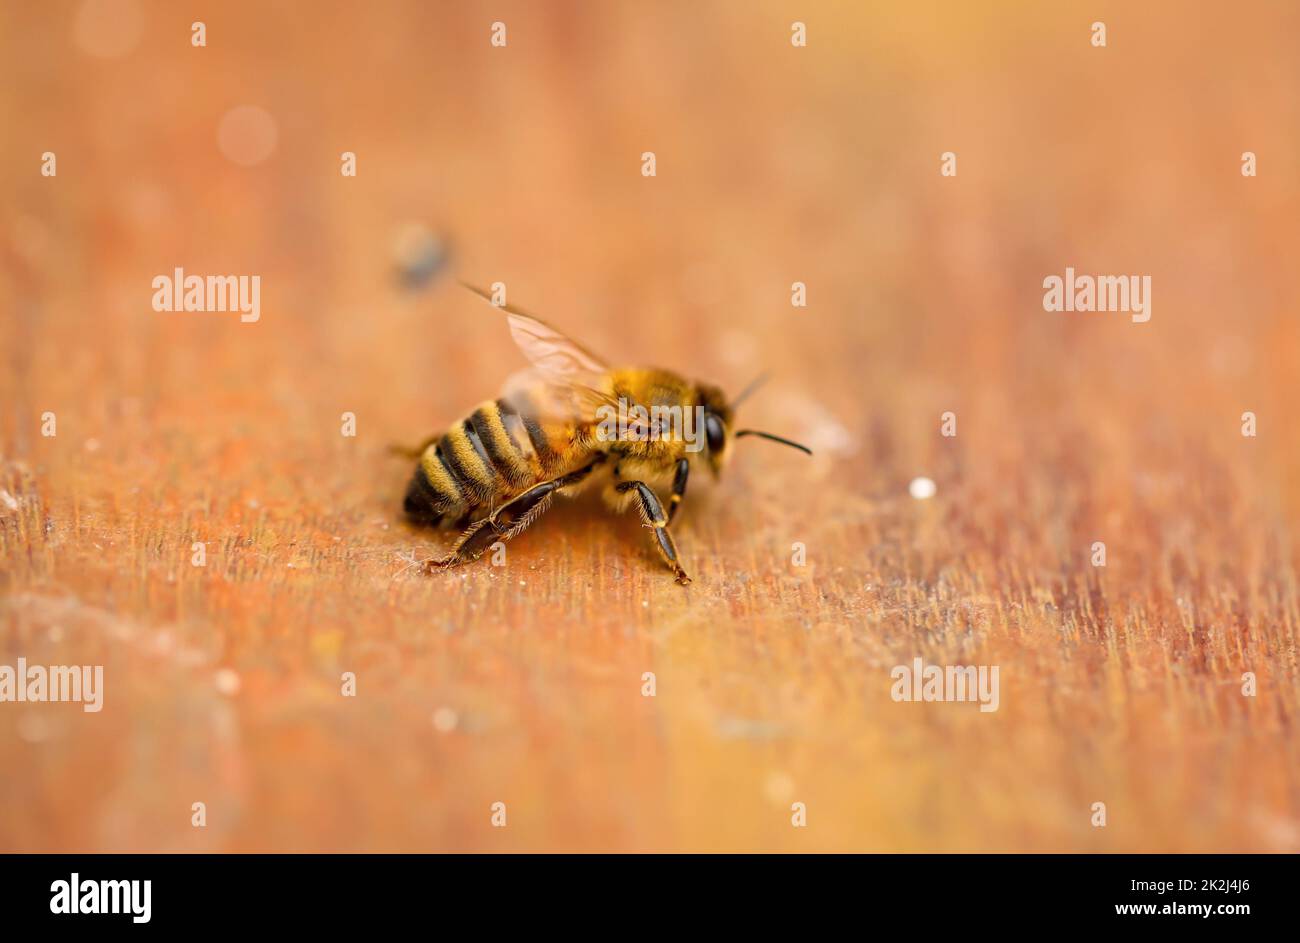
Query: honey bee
[567, 423]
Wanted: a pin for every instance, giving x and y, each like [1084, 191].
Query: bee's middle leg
[652, 512]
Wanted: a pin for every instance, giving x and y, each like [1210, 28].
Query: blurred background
[774, 164]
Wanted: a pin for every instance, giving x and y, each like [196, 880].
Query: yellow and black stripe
[501, 450]
[520, 410]
[474, 477]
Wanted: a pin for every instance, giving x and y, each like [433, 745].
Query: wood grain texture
[222, 683]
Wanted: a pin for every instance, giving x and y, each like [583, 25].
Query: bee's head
[719, 430]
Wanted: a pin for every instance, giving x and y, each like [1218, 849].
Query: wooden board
[523, 684]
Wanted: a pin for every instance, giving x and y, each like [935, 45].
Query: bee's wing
[532, 392]
[567, 380]
[556, 355]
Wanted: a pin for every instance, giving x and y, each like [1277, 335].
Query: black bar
[947, 893]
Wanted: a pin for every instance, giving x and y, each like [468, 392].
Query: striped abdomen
[497, 453]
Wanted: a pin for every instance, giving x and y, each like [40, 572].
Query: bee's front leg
[652, 512]
[679, 487]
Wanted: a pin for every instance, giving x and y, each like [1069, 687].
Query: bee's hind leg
[476, 540]
[652, 512]
[511, 519]
[412, 451]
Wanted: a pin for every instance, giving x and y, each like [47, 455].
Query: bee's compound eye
[715, 432]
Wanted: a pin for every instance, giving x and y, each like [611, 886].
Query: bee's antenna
[775, 438]
[754, 384]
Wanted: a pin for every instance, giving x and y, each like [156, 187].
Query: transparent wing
[558, 356]
[566, 380]
[532, 391]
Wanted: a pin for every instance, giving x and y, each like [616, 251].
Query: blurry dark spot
[419, 255]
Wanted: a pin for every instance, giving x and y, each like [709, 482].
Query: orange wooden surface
[522, 684]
